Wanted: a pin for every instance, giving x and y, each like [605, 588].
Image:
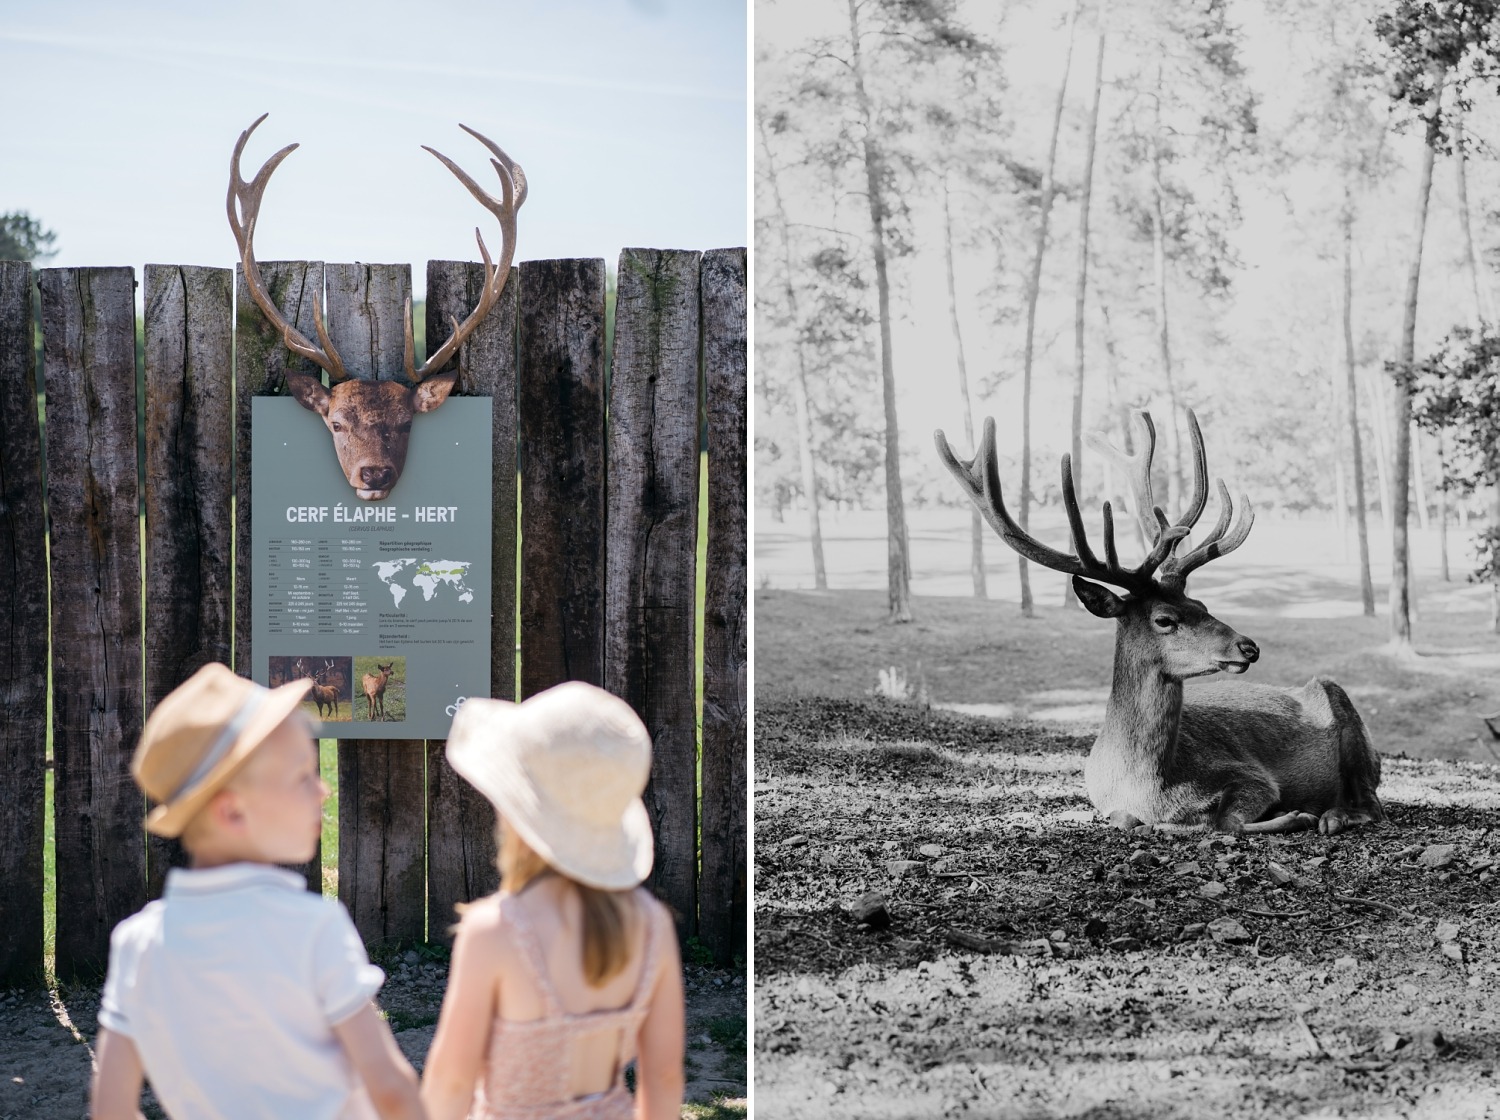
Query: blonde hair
[605, 913]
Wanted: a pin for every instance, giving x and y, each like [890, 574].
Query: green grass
[721, 1109]
[49, 881]
[729, 1032]
[328, 763]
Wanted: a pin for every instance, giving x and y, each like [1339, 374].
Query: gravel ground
[46, 1039]
[1026, 960]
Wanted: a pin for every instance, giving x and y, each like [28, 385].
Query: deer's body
[374, 685]
[1237, 758]
[326, 696]
[1250, 750]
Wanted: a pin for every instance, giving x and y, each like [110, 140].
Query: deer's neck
[1144, 713]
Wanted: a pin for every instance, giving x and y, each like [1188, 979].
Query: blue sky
[628, 117]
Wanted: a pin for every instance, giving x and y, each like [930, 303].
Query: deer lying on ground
[371, 420]
[1244, 758]
[375, 689]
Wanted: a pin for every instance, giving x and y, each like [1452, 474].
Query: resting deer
[375, 689]
[1243, 758]
[371, 420]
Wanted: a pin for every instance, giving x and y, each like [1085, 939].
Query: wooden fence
[609, 492]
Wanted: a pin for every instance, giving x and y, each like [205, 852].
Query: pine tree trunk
[1461, 162]
[1400, 594]
[1366, 585]
[1481, 316]
[898, 563]
[1080, 294]
[799, 383]
[976, 529]
[1033, 294]
[1163, 336]
[1378, 417]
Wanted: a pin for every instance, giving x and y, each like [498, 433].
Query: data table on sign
[314, 587]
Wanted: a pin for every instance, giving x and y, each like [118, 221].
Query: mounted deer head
[371, 420]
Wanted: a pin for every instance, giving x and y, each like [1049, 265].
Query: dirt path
[1040, 964]
[46, 1039]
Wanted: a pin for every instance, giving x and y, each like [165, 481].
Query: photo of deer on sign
[1249, 759]
[382, 689]
[371, 421]
[330, 699]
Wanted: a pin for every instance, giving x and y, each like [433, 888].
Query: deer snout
[1249, 649]
[376, 478]
[1249, 652]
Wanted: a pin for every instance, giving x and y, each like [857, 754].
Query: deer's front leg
[1244, 802]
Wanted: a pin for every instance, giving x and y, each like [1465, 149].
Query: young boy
[239, 994]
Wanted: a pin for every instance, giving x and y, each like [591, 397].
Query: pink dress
[526, 1076]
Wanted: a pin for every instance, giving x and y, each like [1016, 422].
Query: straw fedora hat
[199, 737]
[565, 768]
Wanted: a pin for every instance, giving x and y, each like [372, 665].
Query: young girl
[571, 970]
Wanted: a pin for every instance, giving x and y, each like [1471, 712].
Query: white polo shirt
[229, 986]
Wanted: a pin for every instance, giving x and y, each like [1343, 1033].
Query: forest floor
[1038, 963]
[47, 1037]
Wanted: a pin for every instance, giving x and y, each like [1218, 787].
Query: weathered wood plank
[188, 485]
[88, 327]
[23, 638]
[561, 387]
[261, 363]
[651, 587]
[722, 902]
[382, 785]
[460, 822]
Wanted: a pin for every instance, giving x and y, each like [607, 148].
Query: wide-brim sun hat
[565, 768]
[201, 735]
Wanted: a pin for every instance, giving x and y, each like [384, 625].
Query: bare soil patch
[1038, 963]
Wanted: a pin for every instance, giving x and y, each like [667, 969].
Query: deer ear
[309, 392]
[1100, 601]
[434, 391]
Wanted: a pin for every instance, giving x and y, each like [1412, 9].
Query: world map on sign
[432, 578]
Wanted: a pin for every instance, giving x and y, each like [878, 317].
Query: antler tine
[511, 166]
[1075, 518]
[1200, 475]
[1111, 557]
[512, 195]
[1216, 544]
[242, 220]
[1136, 468]
[983, 488]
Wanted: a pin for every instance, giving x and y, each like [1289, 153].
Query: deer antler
[242, 221]
[512, 195]
[983, 487]
[1137, 469]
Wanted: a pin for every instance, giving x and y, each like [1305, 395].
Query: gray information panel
[385, 604]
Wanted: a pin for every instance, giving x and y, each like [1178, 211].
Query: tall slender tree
[1033, 295]
[976, 527]
[799, 382]
[1080, 290]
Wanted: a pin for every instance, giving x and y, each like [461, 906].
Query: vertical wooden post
[260, 367]
[23, 637]
[562, 473]
[651, 588]
[460, 822]
[88, 318]
[188, 486]
[722, 902]
[382, 782]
